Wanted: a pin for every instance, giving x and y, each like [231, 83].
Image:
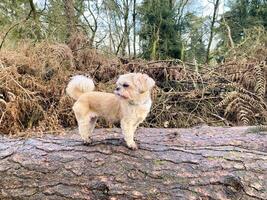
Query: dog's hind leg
[86, 121]
[92, 122]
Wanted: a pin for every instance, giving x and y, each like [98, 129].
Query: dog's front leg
[128, 130]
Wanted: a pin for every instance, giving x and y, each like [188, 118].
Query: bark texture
[70, 17]
[199, 163]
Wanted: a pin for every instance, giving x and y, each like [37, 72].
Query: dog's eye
[125, 85]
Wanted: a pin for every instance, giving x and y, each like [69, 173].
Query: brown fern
[260, 80]
[243, 106]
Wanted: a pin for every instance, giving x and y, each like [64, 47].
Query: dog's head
[135, 87]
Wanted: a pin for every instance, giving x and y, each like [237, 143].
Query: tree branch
[216, 6]
[13, 26]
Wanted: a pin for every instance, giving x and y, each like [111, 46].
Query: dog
[130, 104]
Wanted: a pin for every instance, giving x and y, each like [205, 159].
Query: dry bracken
[33, 81]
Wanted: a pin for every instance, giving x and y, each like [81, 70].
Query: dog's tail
[78, 85]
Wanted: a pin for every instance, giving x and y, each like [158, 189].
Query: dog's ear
[150, 82]
[144, 82]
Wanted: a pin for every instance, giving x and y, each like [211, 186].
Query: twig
[172, 67]
[21, 87]
[173, 60]
[222, 119]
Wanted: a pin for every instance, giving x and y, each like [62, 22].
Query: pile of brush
[33, 80]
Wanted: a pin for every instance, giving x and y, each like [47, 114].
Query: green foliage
[244, 14]
[195, 42]
[55, 20]
[159, 32]
[165, 28]
[16, 19]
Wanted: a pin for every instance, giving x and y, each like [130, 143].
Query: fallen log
[198, 163]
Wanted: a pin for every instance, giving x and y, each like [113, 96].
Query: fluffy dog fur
[130, 104]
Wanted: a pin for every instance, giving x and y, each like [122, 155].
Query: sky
[205, 6]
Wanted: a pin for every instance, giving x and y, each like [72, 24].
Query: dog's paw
[87, 141]
[132, 146]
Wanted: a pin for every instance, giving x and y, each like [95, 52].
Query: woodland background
[207, 57]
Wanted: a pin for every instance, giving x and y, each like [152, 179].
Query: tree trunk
[216, 7]
[70, 17]
[134, 28]
[155, 43]
[94, 28]
[199, 163]
[125, 31]
[33, 9]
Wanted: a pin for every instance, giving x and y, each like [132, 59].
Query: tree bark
[125, 31]
[70, 17]
[198, 163]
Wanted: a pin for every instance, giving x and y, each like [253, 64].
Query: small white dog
[130, 104]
